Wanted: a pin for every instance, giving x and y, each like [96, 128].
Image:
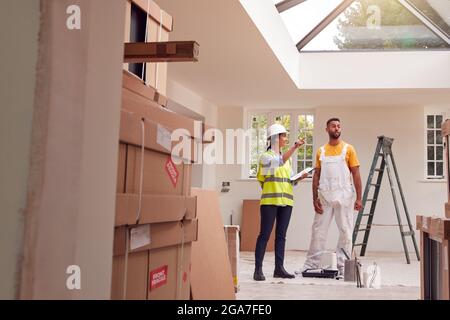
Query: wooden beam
[324, 23]
[287, 4]
[172, 51]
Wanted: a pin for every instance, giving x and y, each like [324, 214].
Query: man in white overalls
[333, 195]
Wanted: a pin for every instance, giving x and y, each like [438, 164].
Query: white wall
[18, 65]
[361, 126]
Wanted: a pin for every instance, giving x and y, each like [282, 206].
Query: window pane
[439, 168]
[438, 137]
[375, 25]
[309, 152]
[258, 141]
[438, 122]
[438, 11]
[430, 153]
[259, 122]
[309, 137]
[302, 18]
[430, 122]
[431, 168]
[300, 166]
[310, 122]
[253, 170]
[302, 122]
[439, 153]
[301, 153]
[309, 164]
[430, 136]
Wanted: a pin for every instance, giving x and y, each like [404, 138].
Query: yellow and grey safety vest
[274, 177]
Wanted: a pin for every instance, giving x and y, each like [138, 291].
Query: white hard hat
[275, 129]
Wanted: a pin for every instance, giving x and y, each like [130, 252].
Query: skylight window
[302, 18]
[367, 25]
[437, 11]
[375, 25]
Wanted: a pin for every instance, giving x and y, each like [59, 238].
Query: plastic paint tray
[323, 273]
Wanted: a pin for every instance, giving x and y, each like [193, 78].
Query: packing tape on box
[141, 174]
[180, 271]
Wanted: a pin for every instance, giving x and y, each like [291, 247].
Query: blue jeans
[270, 213]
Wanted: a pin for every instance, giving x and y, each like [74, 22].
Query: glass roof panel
[375, 25]
[438, 11]
[302, 18]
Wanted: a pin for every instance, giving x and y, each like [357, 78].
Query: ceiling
[237, 68]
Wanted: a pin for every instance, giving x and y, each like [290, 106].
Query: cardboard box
[159, 274]
[153, 236]
[121, 168]
[437, 228]
[157, 137]
[160, 174]
[250, 226]
[423, 223]
[211, 277]
[232, 238]
[161, 99]
[149, 109]
[170, 273]
[136, 281]
[135, 84]
[154, 208]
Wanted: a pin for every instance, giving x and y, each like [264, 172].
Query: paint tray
[320, 273]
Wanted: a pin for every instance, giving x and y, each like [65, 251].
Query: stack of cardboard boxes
[155, 214]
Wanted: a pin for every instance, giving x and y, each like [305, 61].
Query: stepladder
[383, 160]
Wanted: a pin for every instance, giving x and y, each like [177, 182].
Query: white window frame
[426, 145]
[271, 114]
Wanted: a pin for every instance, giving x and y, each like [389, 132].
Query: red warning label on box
[158, 277]
[172, 171]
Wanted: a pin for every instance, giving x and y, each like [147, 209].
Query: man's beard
[335, 135]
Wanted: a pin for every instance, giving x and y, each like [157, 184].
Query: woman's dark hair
[270, 145]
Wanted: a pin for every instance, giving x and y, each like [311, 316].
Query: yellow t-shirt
[350, 157]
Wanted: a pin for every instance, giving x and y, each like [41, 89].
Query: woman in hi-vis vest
[277, 199]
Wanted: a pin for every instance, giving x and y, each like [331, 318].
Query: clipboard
[298, 175]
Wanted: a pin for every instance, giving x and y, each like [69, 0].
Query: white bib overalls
[336, 194]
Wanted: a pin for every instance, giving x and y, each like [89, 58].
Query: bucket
[328, 261]
[372, 277]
